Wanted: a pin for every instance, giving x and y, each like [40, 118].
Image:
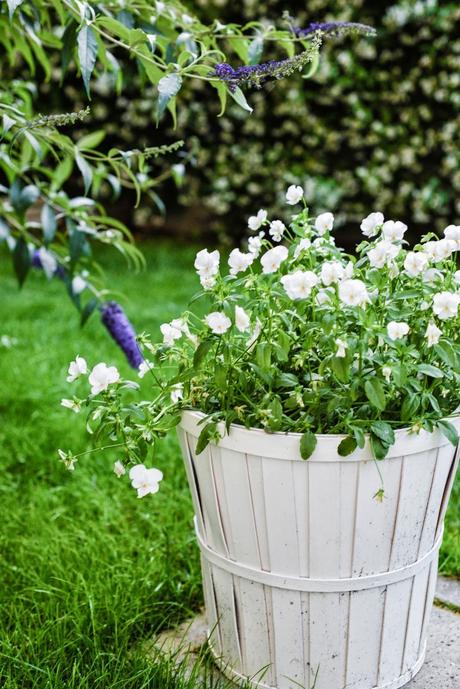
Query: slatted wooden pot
[305, 573]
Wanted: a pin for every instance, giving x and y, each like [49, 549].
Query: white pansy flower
[383, 253]
[145, 480]
[353, 293]
[242, 320]
[207, 263]
[394, 231]
[276, 231]
[415, 263]
[207, 282]
[386, 373]
[303, 245]
[457, 276]
[256, 221]
[102, 376]
[453, 232]
[440, 250]
[255, 244]
[170, 333]
[273, 258]
[239, 262]
[332, 271]
[294, 194]
[77, 368]
[144, 367]
[342, 347]
[299, 285]
[371, 224]
[431, 275]
[323, 296]
[324, 223]
[397, 330]
[71, 404]
[218, 322]
[118, 469]
[433, 333]
[177, 393]
[445, 305]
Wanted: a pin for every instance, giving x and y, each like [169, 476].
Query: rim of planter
[286, 445]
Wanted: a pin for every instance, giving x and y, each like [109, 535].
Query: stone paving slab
[448, 592]
[441, 669]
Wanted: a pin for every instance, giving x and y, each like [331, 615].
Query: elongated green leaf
[87, 53]
[449, 431]
[49, 223]
[205, 437]
[240, 98]
[375, 393]
[21, 260]
[307, 444]
[91, 140]
[168, 87]
[430, 371]
[201, 351]
[86, 171]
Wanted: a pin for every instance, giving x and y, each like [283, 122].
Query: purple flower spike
[118, 325]
[334, 28]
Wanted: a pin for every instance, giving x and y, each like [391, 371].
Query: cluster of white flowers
[100, 377]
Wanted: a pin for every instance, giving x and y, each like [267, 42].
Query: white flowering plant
[299, 337]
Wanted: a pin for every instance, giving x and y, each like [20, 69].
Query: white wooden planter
[305, 573]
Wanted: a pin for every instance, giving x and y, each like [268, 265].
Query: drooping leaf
[449, 431]
[307, 444]
[88, 310]
[384, 431]
[86, 171]
[168, 87]
[239, 97]
[200, 352]
[205, 437]
[379, 447]
[49, 223]
[21, 260]
[347, 446]
[87, 54]
[375, 393]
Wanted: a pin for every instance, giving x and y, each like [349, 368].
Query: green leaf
[239, 97]
[384, 431]
[91, 140]
[430, 371]
[375, 393]
[88, 310]
[87, 53]
[341, 368]
[447, 354]
[205, 437]
[200, 352]
[222, 93]
[347, 446]
[449, 431]
[409, 407]
[68, 44]
[21, 260]
[78, 245]
[86, 171]
[379, 448]
[263, 355]
[49, 223]
[307, 444]
[168, 87]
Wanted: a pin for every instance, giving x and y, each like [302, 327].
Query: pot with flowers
[315, 405]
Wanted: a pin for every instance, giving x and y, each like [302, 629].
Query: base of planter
[238, 678]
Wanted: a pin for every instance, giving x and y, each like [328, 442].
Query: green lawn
[87, 571]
